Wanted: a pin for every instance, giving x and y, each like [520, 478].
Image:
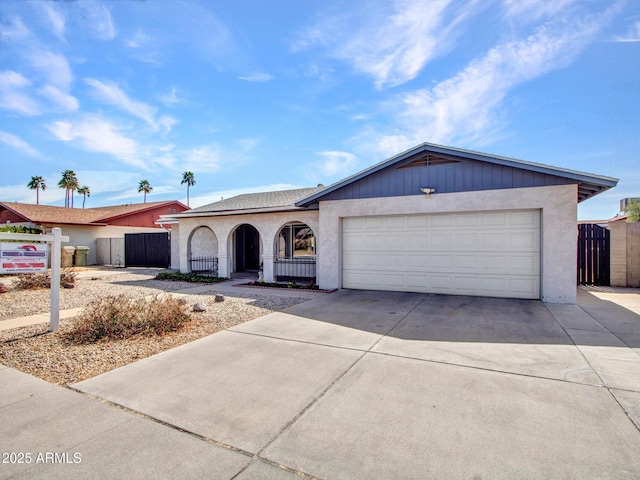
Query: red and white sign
[23, 257]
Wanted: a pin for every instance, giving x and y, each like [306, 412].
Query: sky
[258, 95]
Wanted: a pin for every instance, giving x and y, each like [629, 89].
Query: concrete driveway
[396, 385]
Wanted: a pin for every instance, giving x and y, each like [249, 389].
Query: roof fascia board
[222, 213]
[49, 223]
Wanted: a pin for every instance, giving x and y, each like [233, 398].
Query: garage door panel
[466, 219]
[525, 218]
[493, 219]
[477, 253]
[526, 240]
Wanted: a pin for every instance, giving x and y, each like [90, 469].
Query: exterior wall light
[427, 190]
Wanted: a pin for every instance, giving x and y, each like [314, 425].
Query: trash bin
[81, 256]
[67, 257]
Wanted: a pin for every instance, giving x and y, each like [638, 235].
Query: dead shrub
[119, 317]
[35, 281]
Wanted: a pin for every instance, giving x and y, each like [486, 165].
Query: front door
[247, 248]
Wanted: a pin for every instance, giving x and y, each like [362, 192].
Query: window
[296, 240]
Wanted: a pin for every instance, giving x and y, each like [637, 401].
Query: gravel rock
[219, 298]
[55, 358]
[3, 288]
[199, 307]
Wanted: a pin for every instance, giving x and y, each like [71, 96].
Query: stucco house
[433, 219]
[84, 226]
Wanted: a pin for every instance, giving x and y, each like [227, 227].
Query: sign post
[56, 240]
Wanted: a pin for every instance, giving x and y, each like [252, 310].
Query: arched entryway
[246, 248]
[295, 253]
[202, 251]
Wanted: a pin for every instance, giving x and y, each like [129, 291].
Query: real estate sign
[23, 257]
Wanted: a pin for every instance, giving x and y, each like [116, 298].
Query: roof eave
[221, 213]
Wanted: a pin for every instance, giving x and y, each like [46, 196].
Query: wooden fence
[594, 246]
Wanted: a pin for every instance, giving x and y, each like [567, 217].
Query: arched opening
[295, 253]
[246, 248]
[202, 251]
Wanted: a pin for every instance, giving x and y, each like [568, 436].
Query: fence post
[54, 318]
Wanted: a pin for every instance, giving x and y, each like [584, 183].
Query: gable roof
[589, 184]
[248, 202]
[46, 214]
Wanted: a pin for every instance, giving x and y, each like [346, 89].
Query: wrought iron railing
[300, 268]
[205, 266]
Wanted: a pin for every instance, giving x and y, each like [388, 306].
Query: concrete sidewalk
[358, 385]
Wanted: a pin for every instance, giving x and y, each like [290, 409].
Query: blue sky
[260, 95]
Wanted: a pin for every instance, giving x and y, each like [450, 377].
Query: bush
[188, 277]
[118, 317]
[19, 229]
[35, 281]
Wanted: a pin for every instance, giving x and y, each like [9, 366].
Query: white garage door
[495, 254]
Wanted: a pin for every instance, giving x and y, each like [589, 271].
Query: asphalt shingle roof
[282, 198]
[75, 216]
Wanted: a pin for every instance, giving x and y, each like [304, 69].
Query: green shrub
[35, 281]
[118, 317]
[19, 229]
[188, 277]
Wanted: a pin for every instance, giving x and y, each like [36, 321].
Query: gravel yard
[52, 357]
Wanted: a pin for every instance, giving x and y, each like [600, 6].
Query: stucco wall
[267, 224]
[558, 226]
[625, 254]
[175, 246]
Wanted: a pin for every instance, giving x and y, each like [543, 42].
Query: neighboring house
[85, 225]
[432, 219]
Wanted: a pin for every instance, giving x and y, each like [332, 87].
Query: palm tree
[189, 179]
[69, 182]
[37, 184]
[86, 192]
[144, 186]
[73, 186]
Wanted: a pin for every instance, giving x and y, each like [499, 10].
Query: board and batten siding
[462, 176]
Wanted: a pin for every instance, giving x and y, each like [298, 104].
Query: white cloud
[53, 66]
[204, 158]
[15, 30]
[111, 94]
[394, 44]
[336, 163]
[55, 18]
[12, 96]
[532, 10]
[403, 45]
[65, 101]
[257, 77]
[139, 40]
[466, 107]
[19, 144]
[98, 17]
[170, 99]
[98, 135]
[632, 35]
[167, 122]
[18, 193]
